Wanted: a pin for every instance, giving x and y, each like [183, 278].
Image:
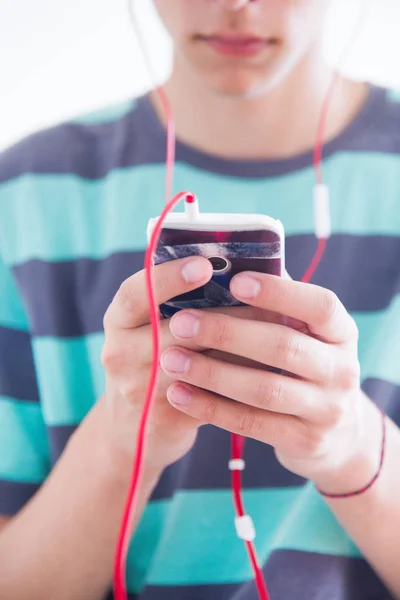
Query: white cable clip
[321, 211]
[236, 464]
[245, 528]
[192, 209]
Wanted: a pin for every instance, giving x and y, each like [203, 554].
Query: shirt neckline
[260, 168]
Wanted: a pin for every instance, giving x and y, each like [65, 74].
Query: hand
[127, 359]
[314, 414]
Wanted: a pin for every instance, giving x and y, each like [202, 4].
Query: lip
[245, 46]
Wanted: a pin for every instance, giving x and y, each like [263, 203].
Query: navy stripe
[88, 151]
[14, 495]
[290, 574]
[200, 469]
[58, 438]
[130, 597]
[77, 293]
[17, 371]
[138, 138]
[362, 270]
[385, 395]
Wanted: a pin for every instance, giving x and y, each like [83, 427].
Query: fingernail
[245, 286]
[175, 361]
[194, 270]
[184, 325]
[178, 395]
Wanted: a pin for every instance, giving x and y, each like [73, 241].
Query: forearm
[372, 519]
[61, 546]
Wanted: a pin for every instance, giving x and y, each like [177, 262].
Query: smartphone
[231, 242]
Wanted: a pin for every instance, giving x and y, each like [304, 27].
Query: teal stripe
[82, 218]
[69, 217]
[204, 547]
[105, 115]
[154, 527]
[24, 452]
[70, 377]
[394, 95]
[12, 312]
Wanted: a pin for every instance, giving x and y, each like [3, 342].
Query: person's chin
[240, 84]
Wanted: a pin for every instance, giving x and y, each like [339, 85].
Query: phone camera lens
[219, 264]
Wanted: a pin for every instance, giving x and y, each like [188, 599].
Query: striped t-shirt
[74, 205]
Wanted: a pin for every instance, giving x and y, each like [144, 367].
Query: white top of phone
[219, 222]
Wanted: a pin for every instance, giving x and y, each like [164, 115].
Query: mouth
[237, 46]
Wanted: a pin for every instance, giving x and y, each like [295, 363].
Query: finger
[133, 391]
[126, 348]
[320, 308]
[253, 313]
[130, 307]
[137, 344]
[271, 428]
[267, 343]
[261, 389]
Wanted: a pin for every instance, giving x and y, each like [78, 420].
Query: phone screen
[230, 252]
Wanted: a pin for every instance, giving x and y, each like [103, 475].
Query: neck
[279, 124]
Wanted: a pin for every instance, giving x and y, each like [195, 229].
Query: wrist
[109, 458]
[358, 470]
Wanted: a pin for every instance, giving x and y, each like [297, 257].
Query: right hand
[127, 359]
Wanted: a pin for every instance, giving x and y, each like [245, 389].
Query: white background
[59, 58]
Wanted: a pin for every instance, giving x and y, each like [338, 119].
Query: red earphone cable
[170, 124]
[321, 129]
[120, 591]
[237, 445]
[238, 441]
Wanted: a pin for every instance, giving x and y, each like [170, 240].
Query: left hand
[315, 415]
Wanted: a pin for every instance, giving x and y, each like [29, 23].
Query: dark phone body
[260, 250]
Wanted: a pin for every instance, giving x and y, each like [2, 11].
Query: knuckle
[348, 376]
[288, 348]
[268, 394]
[330, 370]
[209, 410]
[122, 352]
[312, 442]
[111, 358]
[249, 423]
[280, 430]
[106, 318]
[131, 390]
[220, 333]
[127, 297]
[353, 329]
[284, 293]
[327, 305]
[337, 411]
[210, 374]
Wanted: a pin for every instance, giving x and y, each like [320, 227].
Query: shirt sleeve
[24, 451]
